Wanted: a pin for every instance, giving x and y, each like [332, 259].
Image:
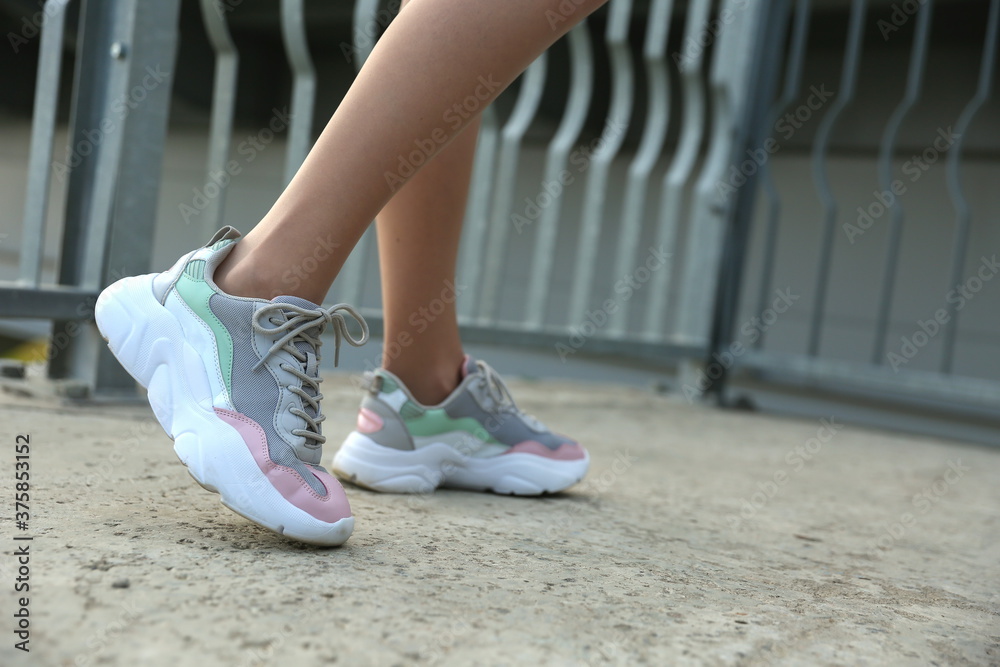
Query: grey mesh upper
[275, 343]
[508, 426]
[393, 432]
[481, 395]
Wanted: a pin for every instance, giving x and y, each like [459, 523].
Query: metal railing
[101, 232]
[649, 190]
[884, 373]
[125, 50]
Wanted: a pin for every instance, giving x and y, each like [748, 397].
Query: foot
[476, 438]
[235, 383]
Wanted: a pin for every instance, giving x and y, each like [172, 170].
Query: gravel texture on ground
[700, 537]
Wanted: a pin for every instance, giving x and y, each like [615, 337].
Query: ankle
[428, 383]
[243, 273]
[231, 277]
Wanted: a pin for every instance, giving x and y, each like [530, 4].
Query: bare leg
[418, 236]
[411, 94]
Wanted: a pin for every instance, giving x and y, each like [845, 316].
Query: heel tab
[227, 234]
[371, 383]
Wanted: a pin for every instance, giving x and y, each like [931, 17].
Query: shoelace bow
[496, 387]
[294, 324]
[501, 396]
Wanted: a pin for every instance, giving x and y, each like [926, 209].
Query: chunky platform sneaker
[235, 383]
[476, 439]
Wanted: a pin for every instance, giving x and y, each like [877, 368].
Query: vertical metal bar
[351, 281]
[682, 166]
[364, 11]
[963, 214]
[574, 116]
[477, 212]
[914, 80]
[852, 59]
[653, 137]
[43, 127]
[95, 141]
[528, 99]
[85, 159]
[227, 61]
[293, 33]
[793, 83]
[121, 93]
[152, 40]
[730, 77]
[152, 49]
[616, 124]
[752, 130]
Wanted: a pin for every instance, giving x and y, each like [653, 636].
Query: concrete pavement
[701, 537]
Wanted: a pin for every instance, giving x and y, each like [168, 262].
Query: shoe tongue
[295, 301]
[469, 366]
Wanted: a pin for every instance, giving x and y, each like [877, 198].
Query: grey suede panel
[227, 233]
[255, 391]
[393, 433]
[506, 427]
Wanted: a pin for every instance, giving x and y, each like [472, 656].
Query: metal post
[752, 131]
[227, 64]
[963, 212]
[731, 85]
[914, 84]
[845, 94]
[43, 124]
[121, 100]
[293, 33]
[528, 99]
[790, 93]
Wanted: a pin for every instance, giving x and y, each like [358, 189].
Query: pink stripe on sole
[330, 508]
[568, 451]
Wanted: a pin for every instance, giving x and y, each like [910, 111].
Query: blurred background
[822, 176]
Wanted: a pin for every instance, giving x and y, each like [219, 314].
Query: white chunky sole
[366, 463]
[150, 343]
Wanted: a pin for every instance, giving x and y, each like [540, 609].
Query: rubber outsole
[149, 342]
[362, 461]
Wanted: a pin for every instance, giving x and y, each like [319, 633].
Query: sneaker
[476, 439]
[235, 383]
